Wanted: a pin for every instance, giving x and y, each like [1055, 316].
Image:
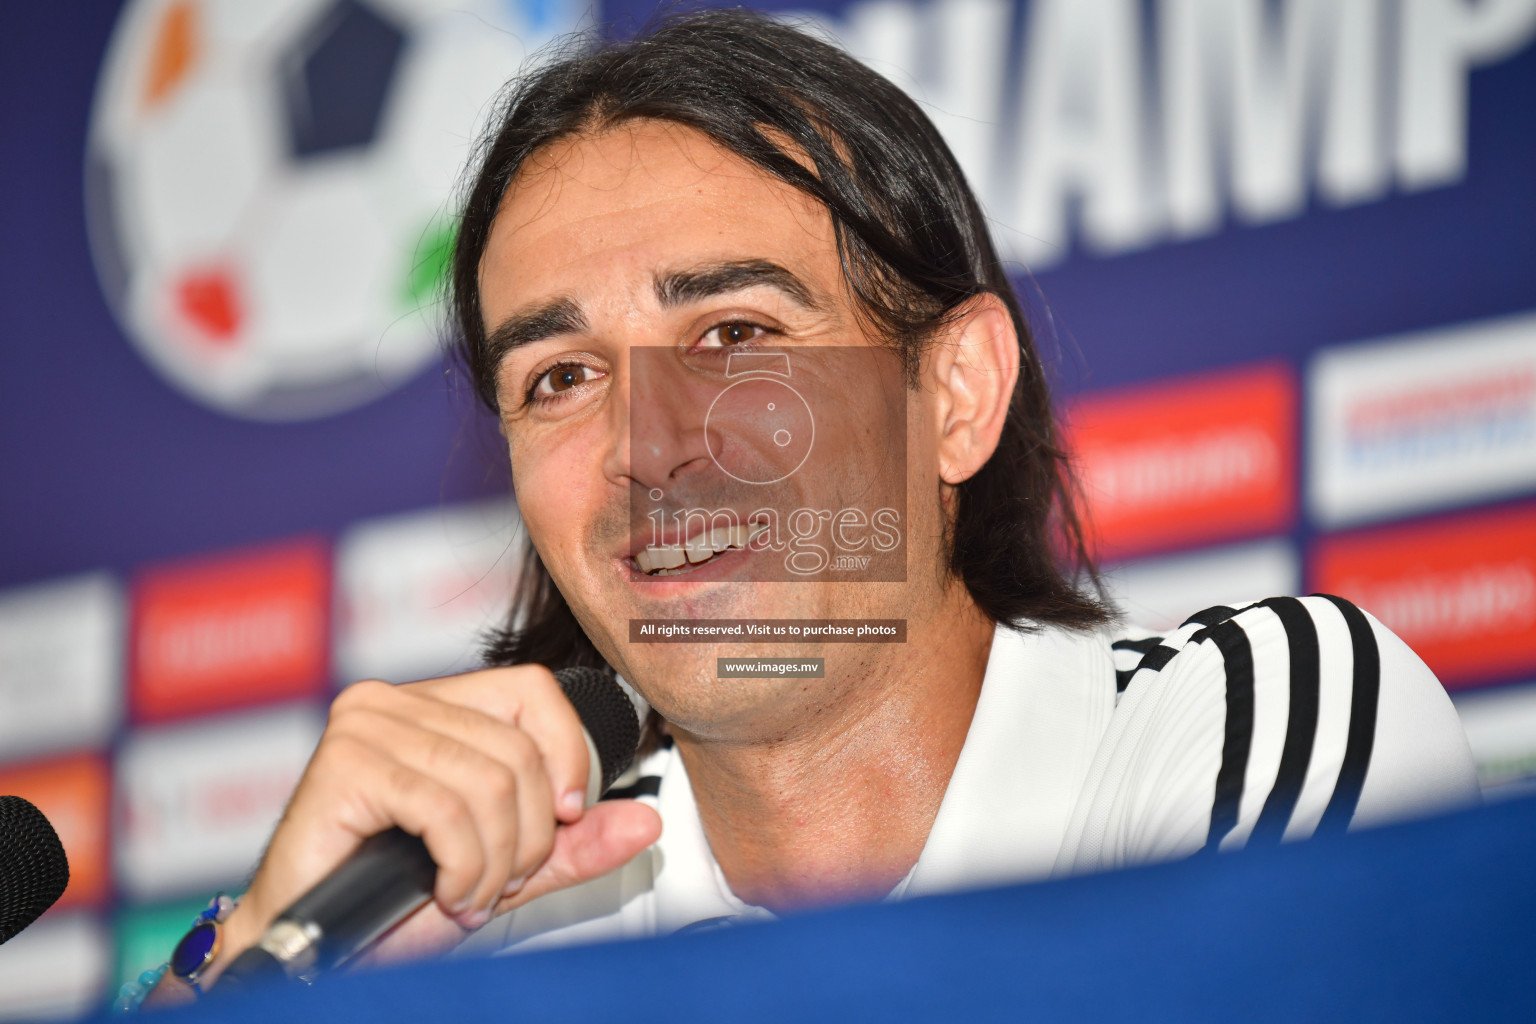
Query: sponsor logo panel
[1429, 420]
[74, 793]
[197, 801]
[415, 593]
[55, 969]
[230, 630]
[1189, 461]
[1460, 591]
[1161, 593]
[1501, 728]
[60, 665]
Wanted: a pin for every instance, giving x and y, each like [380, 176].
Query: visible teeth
[699, 550]
[706, 545]
[652, 559]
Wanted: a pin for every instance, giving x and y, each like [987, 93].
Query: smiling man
[669, 243]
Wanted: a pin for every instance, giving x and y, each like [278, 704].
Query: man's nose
[658, 425]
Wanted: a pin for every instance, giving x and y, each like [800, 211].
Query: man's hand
[488, 768]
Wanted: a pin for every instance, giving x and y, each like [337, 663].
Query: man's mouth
[700, 549]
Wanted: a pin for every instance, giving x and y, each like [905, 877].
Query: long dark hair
[913, 244]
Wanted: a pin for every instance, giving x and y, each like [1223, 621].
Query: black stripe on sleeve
[1363, 699]
[1301, 720]
[1141, 646]
[1212, 615]
[645, 785]
[1238, 657]
[1158, 657]
[1144, 647]
[1154, 660]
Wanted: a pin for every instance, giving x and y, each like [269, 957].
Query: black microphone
[391, 874]
[33, 868]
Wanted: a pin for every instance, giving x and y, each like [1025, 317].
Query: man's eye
[563, 378]
[735, 333]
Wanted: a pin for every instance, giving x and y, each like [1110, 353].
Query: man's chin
[645, 627]
[683, 682]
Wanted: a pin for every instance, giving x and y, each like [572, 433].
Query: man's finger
[529, 697]
[493, 786]
[536, 817]
[422, 806]
[556, 727]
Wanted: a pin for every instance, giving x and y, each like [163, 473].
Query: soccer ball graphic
[269, 185]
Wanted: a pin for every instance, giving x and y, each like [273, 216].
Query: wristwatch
[198, 948]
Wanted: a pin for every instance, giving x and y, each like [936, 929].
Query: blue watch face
[194, 949]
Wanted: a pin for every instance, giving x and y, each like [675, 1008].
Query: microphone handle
[388, 878]
[383, 883]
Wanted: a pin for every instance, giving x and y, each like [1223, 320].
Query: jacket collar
[1045, 702]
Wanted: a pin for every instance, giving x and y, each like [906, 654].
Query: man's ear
[973, 365]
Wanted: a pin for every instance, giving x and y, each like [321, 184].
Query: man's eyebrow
[561, 316]
[679, 287]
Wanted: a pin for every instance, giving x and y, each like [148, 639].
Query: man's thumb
[606, 837]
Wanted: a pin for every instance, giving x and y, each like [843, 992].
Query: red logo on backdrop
[1188, 461]
[231, 630]
[73, 793]
[1461, 592]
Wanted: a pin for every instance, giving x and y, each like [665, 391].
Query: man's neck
[839, 809]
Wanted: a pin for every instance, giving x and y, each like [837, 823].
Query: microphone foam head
[607, 713]
[33, 868]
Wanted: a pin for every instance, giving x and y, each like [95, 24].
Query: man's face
[621, 272]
